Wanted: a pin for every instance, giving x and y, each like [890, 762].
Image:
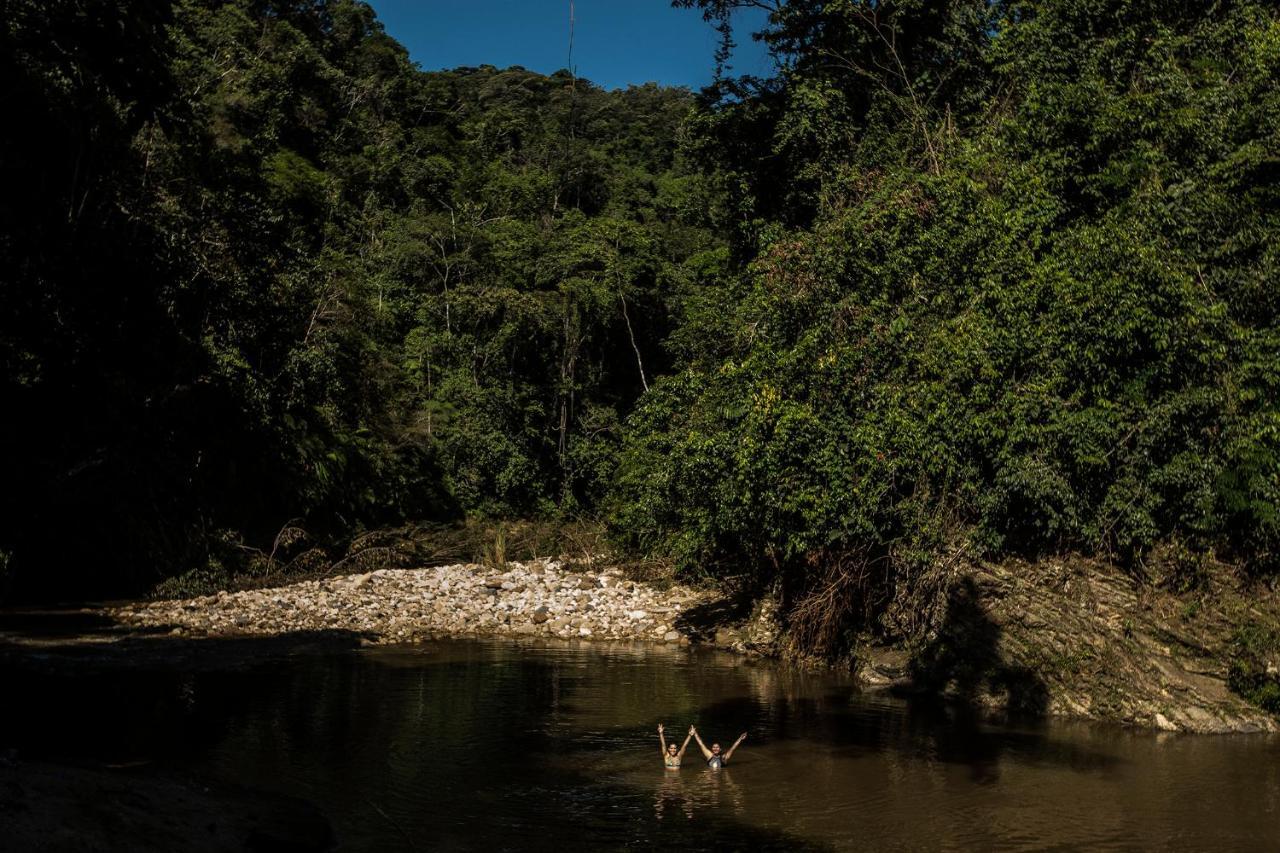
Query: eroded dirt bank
[1081, 638]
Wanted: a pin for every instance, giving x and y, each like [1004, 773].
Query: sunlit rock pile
[397, 605]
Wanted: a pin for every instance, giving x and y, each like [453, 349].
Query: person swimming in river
[670, 757]
[715, 760]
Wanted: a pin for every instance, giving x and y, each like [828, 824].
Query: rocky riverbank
[1081, 638]
[1074, 638]
[542, 598]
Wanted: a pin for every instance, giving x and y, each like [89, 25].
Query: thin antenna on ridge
[573, 77]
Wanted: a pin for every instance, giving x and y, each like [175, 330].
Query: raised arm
[706, 753]
[663, 741]
[740, 739]
[685, 745]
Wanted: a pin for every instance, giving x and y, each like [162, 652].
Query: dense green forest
[1008, 286]
[963, 277]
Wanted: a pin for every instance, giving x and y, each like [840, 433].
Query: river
[474, 745]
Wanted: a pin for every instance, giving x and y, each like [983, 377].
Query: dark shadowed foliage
[259, 271]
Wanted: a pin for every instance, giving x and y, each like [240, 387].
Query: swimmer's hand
[692, 730]
[732, 749]
[659, 728]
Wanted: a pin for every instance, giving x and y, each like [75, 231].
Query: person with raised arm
[670, 757]
[715, 760]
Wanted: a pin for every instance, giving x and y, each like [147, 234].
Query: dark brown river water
[490, 746]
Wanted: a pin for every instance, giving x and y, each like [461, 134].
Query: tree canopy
[1008, 286]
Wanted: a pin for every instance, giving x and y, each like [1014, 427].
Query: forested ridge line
[963, 279]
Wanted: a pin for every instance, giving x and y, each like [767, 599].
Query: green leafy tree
[1002, 285]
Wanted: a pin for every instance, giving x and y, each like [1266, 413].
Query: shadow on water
[100, 723]
[952, 679]
[116, 697]
[32, 622]
[686, 810]
[441, 747]
[920, 729]
[925, 730]
[964, 660]
[156, 649]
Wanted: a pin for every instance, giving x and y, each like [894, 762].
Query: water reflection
[672, 796]
[705, 789]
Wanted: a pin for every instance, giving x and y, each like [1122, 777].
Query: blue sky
[616, 42]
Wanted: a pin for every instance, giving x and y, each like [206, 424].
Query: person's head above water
[671, 748]
[714, 756]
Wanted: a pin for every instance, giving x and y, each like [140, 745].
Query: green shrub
[1253, 672]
